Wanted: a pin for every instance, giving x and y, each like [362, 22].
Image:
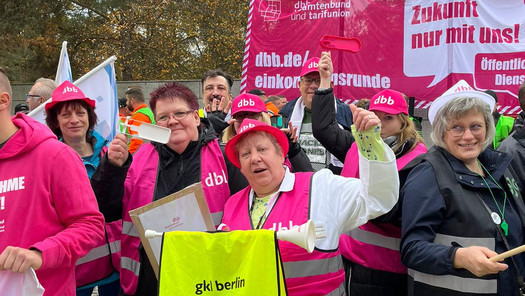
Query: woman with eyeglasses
[71, 117]
[461, 206]
[126, 182]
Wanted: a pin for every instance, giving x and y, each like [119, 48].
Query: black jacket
[325, 124]
[515, 145]
[443, 209]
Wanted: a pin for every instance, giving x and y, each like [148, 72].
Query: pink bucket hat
[311, 65]
[67, 91]
[247, 103]
[249, 125]
[389, 101]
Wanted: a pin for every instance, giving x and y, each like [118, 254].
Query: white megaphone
[303, 236]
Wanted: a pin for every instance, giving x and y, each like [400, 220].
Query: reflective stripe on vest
[340, 291]
[100, 252]
[375, 239]
[217, 217]
[130, 264]
[447, 240]
[296, 269]
[456, 283]
[129, 229]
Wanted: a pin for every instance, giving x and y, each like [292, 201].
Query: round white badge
[496, 218]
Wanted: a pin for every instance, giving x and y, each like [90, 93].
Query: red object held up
[350, 44]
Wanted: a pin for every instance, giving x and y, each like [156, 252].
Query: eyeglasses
[458, 131]
[308, 81]
[177, 115]
[28, 96]
[243, 115]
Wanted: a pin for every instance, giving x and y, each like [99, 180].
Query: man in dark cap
[22, 108]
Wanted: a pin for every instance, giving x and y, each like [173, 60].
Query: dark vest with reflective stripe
[466, 223]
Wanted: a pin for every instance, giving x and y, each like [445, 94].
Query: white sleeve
[339, 204]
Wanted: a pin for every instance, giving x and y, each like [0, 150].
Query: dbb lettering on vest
[214, 179]
[277, 227]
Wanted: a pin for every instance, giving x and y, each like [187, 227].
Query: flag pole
[94, 70]
[61, 60]
[80, 80]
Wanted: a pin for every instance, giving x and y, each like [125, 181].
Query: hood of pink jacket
[31, 134]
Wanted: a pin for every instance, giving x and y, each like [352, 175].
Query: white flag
[64, 68]
[100, 85]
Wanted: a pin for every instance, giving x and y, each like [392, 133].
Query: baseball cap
[247, 103]
[22, 107]
[389, 101]
[460, 89]
[122, 102]
[311, 65]
[67, 91]
[257, 92]
[251, 125]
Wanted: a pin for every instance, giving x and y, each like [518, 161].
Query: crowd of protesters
[398, 217]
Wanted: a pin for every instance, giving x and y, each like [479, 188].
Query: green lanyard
[504, 226]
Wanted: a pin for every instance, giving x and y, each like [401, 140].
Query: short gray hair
[44, 87]
[455, 109]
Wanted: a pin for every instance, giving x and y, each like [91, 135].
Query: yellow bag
[221, 263]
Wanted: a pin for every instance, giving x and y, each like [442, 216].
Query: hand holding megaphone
[303, 236]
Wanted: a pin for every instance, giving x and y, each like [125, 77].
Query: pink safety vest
[372, 245]
[318, 273]
[139, 188]
[97, 264]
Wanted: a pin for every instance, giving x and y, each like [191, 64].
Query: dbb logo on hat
[382, 100]
[245, 127]
[389, 101]
[70, 89]
[249, 125]
[311, 65]
[67, 91]
[246, 103]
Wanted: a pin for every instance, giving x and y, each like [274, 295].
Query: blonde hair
[229, 132]
[408, 131]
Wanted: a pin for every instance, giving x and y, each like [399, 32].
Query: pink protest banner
[418, 47]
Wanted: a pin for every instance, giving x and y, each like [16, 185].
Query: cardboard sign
[183, 210]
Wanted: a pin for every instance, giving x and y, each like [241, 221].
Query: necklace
[504, 226]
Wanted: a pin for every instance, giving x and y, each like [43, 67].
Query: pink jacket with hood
[46, 203]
